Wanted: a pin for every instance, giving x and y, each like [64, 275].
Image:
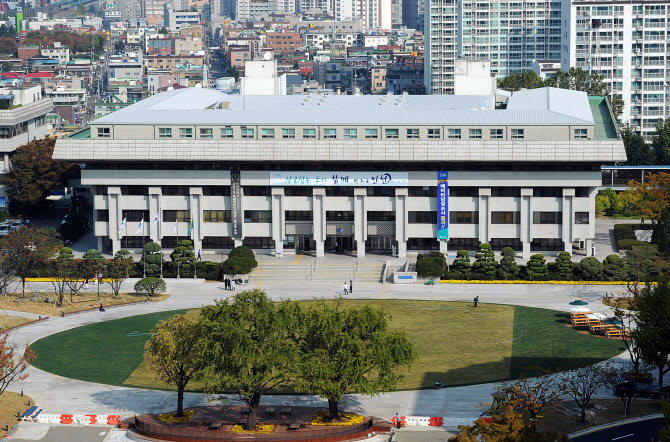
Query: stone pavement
[61, 395]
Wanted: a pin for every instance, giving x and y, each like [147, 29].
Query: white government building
[348, 174]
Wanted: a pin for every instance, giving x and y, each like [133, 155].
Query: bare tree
[13, 366]
[581, 384]
[532, 394]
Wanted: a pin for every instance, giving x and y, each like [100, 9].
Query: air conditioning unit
[639, 28]
[638, 78]
[639, 66]
[638, 102]
[639, 41]
[638, 128]
[637, 51]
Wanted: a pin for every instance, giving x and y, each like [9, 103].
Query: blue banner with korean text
[443, 205]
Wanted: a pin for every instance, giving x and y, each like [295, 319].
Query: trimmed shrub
[430, 266]
[564, 266]
[590, 269]
[614, 268]
[537, 269]
[485, 263]
[625, 235]
[661, 235]
[242, 252]
[236, 266]
[209, 270]
[152, 286]
[184, 255]
[508, 268]
[461, 266]
[153, 257]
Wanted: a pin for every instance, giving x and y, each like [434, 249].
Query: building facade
[342, 173]
[627, 43]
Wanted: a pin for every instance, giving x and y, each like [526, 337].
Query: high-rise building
[509, 34]
[412, 14]
[627, 43]
[374, 14]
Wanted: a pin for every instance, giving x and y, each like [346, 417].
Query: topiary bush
[237, 266]
[615, 268]
[461, 266]
[242, 252]
[564, 266]
[508, 268]
[590, 269]
[211, 271]
[537, 268]
[430, 266]
[185, 257]
[153, 257]
[485, 263]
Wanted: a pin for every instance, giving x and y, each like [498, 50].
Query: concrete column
[443, 246]
[526, 228]
[568, 219]
[360, 220]
[155, 232]
[100, 245]
[484, 215]
[195, 206]
[115, 217]
[319, 219]
[278, 220]
[401, 221]
[238, 242]
[5, 162]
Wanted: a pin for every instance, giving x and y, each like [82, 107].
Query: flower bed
[172, 418]
[262, 429]
[517, 281]
[322, 418]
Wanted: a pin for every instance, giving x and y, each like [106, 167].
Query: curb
[43, 318]
[62, 315]
[511, 282]
[614, 424]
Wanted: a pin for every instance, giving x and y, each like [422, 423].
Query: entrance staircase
[269, 273]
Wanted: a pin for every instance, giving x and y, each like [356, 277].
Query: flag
[140, 227]
[176, 226]
[156, 219]
[122, 227]
[190, 228]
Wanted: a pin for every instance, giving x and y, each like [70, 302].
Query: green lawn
[457, 344]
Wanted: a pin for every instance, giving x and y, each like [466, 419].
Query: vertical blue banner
[443, 205]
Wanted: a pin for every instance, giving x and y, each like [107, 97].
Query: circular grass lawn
[457, 344]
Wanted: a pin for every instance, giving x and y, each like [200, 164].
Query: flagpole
[176, 223]
[195, 260]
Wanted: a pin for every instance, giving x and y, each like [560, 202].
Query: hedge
[625, 235]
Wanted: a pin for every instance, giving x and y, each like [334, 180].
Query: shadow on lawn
[563, 318]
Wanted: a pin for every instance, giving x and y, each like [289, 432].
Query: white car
[5, 229]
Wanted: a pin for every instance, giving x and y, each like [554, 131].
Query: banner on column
[443, 205]
[236, 204]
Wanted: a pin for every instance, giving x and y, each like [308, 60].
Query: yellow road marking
[259, 284]
[296, 261]
[383, 290]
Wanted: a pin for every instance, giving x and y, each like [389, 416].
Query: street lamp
[99, 281]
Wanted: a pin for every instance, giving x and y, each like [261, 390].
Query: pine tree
[537, 267]
[661, 235]
[508, 268]
[564, 266]
[461, 266]
[485, 263]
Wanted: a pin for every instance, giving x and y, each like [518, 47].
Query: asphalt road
[62, 434]
[642, 431]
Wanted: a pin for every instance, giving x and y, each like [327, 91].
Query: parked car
[5, 229]
[645, 390]
[16, 225]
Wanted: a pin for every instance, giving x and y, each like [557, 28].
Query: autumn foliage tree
[175, 353]
[12, 365]
[33, 175]
[650, 198]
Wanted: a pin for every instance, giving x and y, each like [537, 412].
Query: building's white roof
[198, 106]
[566, 102]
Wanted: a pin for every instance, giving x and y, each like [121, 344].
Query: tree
[251, 346]
[664, 432]
[532, 394]
[652, 331]
[650, 198]
[461, 266]
[184, 257]
[81, 10]
[13, 365]
[579, 80]
[118, 269]
[485, 261]
[61, 271]
[643, 265]
[28, 248]
[34, 174]
[590, 269]
[335, 339]
[163, 31]
[537, 268]
[152, 258]
[6, 66]
[508, 268]
[602, 203]
[615, 268]
[93, 264]
[524, 80]
[660, 142]
[233, 72]
[564, 266]
[581, 384]
[153, 286]
[638, 151]
[661, 235]
[175, 353]
[7, 275]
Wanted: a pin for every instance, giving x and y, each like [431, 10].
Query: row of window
[331, 133]
[537, 244]
[414, 217]
[414, 191]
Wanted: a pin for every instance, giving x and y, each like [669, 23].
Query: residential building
[68, 95]
[174, 20]
[401, 79]
[546, 68]
[627, 43]
[348, 173]
[378, 79]
[56, 52]
[23, 111]
[129, 65]
[283, 41]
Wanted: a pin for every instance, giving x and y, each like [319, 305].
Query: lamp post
[99, 281]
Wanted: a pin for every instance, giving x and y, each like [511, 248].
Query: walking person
[86, 282]
[476, 300]
[225, 282]
[345, 287]
[351, 286]
[199, 255]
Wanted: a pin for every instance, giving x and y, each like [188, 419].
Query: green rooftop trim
[603, 118]
[82, 134]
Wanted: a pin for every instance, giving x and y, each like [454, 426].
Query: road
[641, 431]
